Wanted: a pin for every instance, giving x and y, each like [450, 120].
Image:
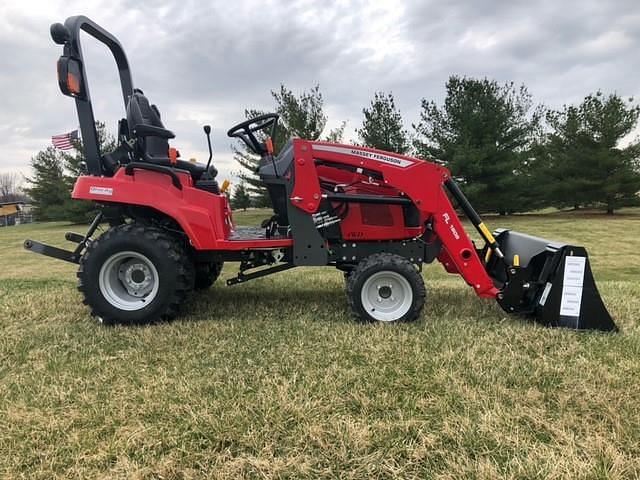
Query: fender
[203, 216]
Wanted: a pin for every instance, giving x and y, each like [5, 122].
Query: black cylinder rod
[473, 216]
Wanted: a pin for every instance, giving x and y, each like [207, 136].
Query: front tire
[135, 274]
[385, 288]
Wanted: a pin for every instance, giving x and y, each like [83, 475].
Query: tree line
[508, 153]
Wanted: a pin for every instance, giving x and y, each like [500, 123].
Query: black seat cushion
[196, 169]
[140, 112]
[156, 149]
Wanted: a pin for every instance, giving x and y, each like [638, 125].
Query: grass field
[273, 379]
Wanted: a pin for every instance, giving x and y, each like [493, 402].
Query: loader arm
[458, 253]
[420, 181]
[549, 281]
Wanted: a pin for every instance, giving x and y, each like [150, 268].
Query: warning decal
[572, 286]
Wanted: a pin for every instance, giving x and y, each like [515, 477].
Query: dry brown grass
[273, 379]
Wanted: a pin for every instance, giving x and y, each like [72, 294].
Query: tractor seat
[152, 138]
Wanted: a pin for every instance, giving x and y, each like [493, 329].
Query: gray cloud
[206, 62]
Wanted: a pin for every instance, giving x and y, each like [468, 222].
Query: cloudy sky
[205, 61]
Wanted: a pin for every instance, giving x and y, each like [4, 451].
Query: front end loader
[376, 216]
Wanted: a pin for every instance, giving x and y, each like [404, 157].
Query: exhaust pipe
[549, 281]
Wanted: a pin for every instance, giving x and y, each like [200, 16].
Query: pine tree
[301, 116]
[48, 191]
[336, 135]
[484, 133]
[585, 163]
[241, 198]
[558, 160]
[382, 126]
[55, 173]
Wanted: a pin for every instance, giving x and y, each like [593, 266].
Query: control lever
[207, 132]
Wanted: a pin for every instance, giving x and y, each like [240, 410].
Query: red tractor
[376, 216]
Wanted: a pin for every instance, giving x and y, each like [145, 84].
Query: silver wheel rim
[128, 281]
[386, 296]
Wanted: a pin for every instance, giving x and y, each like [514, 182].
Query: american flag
[65, 141]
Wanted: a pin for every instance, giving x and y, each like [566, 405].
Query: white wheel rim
[128, 281]
[386, 296]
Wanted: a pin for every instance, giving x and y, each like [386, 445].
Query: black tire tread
[174, 251]
[206, 274]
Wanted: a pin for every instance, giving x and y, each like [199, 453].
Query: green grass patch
[274, 379]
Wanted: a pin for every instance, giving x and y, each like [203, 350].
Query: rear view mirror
[70, 77]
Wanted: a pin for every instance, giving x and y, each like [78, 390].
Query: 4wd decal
[106, 191]
[399, 162]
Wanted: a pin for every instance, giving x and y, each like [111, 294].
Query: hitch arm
[66, 255]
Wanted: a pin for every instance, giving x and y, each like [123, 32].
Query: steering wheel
[245, 131]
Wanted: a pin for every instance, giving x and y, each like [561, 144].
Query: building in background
[15, 213]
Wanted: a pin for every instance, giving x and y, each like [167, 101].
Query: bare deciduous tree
[10, 187]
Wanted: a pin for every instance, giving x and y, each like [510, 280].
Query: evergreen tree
[335, 135]
[484, 133]
[302, 116]
[382, 126]
[556, 169]
[241, 198]
[584, 162]
[48, 191]
[55, 173]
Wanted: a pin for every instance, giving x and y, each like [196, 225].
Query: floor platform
[243, 234]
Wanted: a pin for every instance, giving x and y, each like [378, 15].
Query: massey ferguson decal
[399, 162]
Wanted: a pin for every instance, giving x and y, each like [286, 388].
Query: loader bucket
[549, 281]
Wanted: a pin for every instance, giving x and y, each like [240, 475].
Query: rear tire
[207, 273]
[135, 274]
[385, 288]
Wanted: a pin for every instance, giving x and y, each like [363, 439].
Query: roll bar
[72, 63]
